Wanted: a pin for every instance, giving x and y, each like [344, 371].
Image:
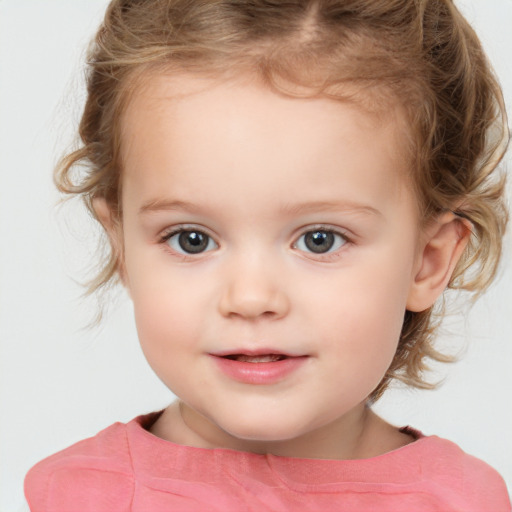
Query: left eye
[320, 241]
[190, 242]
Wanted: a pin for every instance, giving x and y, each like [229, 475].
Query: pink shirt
[126, 468]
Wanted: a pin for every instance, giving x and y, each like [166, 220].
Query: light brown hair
[419, 53]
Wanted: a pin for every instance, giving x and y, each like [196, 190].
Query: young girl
[288, 188]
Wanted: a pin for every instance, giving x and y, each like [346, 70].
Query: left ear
[442, 246]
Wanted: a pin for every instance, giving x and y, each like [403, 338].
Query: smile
[258, 369]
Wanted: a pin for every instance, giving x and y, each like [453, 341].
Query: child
[288, 188]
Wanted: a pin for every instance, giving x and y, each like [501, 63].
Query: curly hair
[420, 53]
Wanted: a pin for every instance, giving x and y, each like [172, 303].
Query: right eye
[189, 241]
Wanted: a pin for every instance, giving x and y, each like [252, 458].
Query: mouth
[261, 367]
[263, 358]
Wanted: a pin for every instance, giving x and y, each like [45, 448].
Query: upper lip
[254, 352]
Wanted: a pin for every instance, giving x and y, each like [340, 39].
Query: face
[269, 249]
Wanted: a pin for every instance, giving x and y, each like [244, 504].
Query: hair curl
[422, 53]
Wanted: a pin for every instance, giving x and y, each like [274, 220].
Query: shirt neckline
[159, 461]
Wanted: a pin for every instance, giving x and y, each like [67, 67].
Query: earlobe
[444, 243]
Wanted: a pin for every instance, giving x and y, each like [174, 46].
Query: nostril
[252, 298]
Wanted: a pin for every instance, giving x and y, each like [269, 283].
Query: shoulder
[93, 474]
[460, 478]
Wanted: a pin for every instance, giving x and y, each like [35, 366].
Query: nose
[252, 289]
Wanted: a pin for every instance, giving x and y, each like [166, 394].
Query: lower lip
[259, 373]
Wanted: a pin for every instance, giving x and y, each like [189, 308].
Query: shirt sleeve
[77, 489]
[484, 487]
[94, 475]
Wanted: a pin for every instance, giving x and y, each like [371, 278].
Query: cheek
[362, 314]
[164, 318]
[364, 342]
[166, 307]
[169, 334]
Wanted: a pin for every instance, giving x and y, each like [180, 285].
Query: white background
[61, 383]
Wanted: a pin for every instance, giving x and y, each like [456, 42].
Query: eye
[320, 241]
[189, 241]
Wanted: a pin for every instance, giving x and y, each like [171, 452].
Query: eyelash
[324, 256]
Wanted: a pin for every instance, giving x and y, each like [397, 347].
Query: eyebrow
[158, 205]
[321, 206]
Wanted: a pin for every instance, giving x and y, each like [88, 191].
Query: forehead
[208, 130]
[152, 87]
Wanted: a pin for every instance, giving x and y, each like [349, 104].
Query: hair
[420, 54]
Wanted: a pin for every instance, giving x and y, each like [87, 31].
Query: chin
[264, 431]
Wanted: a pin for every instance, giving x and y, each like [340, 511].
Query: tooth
[258, 359]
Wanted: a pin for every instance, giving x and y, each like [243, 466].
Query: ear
[114, 232]
[439, 253]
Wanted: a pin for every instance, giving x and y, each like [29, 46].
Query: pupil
[319, 241]
[193, 241]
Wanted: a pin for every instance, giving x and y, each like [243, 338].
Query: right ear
[114, 231]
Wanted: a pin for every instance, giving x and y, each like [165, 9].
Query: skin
[255, 171]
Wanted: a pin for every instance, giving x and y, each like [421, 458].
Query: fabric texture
[126, 468]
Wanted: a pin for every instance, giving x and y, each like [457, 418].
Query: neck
[358, 434]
